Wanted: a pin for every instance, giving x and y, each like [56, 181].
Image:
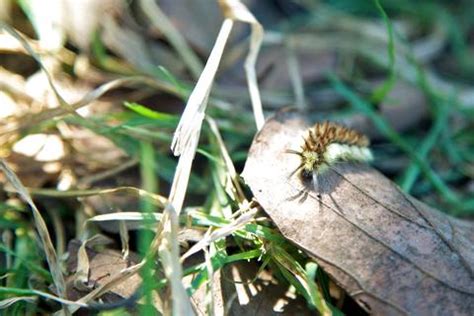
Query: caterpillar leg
[316, 183]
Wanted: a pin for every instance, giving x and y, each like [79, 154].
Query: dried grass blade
[187, 133]
[159, 200]
[51, 257]
[125, 216]
[13, 300]
[169, 255]
[29, 297]
[237, 11]
[190, 124]
[124, 239]
[182, 174]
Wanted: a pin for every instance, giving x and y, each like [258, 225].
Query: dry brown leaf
[102, 266]
[393, 254]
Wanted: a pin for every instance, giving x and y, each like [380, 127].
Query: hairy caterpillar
[329, 143]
